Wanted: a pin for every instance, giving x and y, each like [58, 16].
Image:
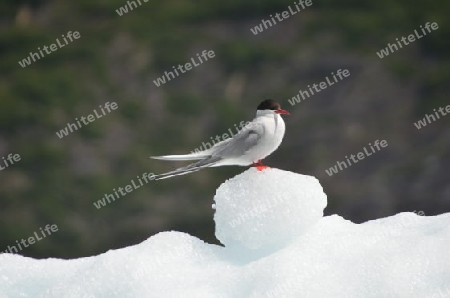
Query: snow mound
[266, 210]
[402, 256]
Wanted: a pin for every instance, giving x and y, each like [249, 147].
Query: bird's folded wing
[245, 140]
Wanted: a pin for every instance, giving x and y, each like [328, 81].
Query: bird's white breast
[274, 129]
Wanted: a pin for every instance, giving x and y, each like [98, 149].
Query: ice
[266, 210]
[286, 250]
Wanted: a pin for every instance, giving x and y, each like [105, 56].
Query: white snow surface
[284, 249]
[258, 211]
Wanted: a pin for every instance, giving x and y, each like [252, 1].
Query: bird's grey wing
[238, 145]
[245, 140]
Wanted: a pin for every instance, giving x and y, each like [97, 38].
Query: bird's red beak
[281, 111]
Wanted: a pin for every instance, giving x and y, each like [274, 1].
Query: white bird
[256, 141]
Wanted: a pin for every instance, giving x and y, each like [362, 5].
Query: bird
[257, 140]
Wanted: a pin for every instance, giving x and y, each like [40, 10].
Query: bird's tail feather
[177, 172]
[192, 156]
[194, 167]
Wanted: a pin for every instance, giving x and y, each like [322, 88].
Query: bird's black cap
[269, 104]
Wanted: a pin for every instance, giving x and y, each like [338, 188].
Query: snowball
[267, 209]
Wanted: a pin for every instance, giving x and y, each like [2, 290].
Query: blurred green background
[118, 57]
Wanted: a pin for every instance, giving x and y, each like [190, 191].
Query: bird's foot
[260, 168]
[259, 165]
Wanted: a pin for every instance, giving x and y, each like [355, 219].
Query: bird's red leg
[259, 165]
